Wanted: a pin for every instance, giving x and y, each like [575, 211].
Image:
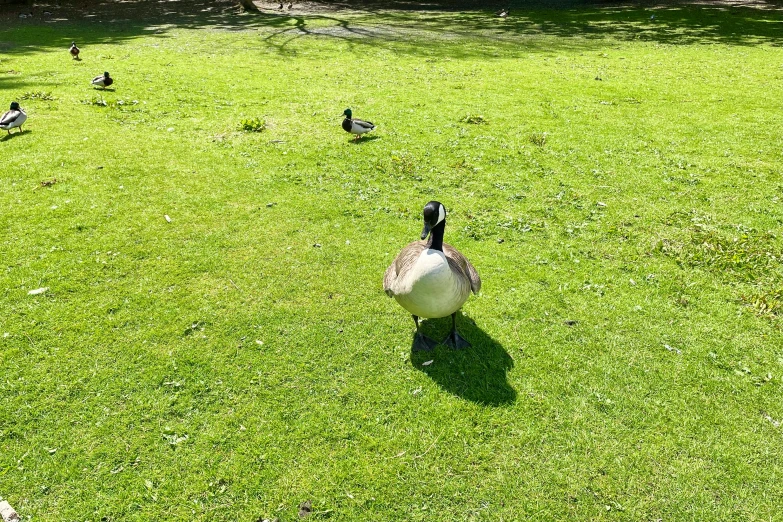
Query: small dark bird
[74, 51]
[503, 12]
[280, 6]
[103, 81]
[355, 125]
[13, 118]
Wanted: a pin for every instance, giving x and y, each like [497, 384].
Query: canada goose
[432, 279]
[15, 117]
[355, 125]
[103, 81]
[74, 51]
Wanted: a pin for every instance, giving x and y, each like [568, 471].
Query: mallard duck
[432, 279]
[102, 81]
[356, 126]
[15, 117]
[74, 51]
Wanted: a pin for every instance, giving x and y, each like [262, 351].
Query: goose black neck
[436, 236]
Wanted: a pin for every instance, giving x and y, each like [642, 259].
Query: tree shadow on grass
[476, 374]
[432, 28]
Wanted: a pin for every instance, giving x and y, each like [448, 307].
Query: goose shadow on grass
[476, 374]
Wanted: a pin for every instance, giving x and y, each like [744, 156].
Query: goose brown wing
[401, 264]
[461, 264]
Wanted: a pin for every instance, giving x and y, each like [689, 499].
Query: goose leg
[455, 341]
[422, 343]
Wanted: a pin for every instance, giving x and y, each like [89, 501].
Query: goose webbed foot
[455, 341]
[422, 343]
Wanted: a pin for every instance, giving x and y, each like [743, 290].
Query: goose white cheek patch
[441, 214]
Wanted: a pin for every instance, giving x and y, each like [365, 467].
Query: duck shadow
[365, 139]
[477, 373]
[102, 90]
[14, 135]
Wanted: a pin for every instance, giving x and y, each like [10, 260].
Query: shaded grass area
[241, 357]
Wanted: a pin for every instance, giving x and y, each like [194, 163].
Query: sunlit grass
[214, 342]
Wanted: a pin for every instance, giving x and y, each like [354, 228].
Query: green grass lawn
[619, 192]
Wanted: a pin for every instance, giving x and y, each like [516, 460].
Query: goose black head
[348, 114]
[14, 106]
[434, 214]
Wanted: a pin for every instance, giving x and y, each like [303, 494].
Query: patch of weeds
[400, 165]
[483, 226]
[537, 138]
[37, 95]
[98, 101]
[603, 403]
[598, 289]
[123, 103]
[568, 197]
[464, 164]
[746, 257]
[685, 180]
[549, 109]
[682, 218]
[766, 304]
[252, 124]
[749, 257]
[173, 438]
[367, 193]
[473, 119]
